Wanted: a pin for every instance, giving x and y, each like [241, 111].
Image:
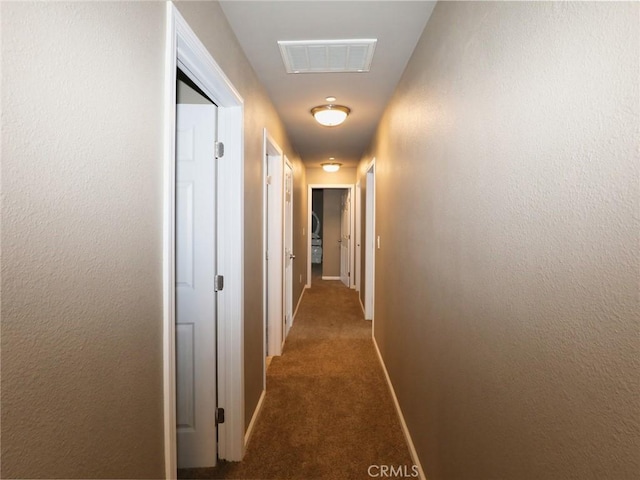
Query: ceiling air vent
[327, 56]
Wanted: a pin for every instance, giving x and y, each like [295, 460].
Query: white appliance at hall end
[316, 241]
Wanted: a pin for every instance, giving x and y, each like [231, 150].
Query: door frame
[288, 238]
[332, 186]
[273, 267]
[348, 193]
[370, 242]
[357, 281]
[184, 50]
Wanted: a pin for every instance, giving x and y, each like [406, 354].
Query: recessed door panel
[195, 291]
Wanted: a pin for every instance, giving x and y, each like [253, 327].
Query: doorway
[331, 240]
[316, 232]
[194, 60]
[278, 247]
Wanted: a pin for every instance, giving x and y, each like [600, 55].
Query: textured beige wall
[211, 26]
[82, 129]
[331, 221]
[507, 307]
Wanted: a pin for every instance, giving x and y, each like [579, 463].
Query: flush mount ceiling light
[331, 166]
[330, 115]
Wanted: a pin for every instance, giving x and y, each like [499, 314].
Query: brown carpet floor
[328, 413]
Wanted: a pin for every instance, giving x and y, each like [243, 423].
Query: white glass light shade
[331, 167]
[330, 115]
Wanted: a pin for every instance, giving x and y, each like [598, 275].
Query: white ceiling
[397, 25]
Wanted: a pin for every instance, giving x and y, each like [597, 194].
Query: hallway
[492, 151]
[328, 413]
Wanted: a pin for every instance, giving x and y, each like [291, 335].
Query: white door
[345, 237]
[288, 246]
[357, 279]
[195, 297]
[274, 255]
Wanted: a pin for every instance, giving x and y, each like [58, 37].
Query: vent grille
[327, 56]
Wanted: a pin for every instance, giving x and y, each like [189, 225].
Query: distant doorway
[330, 226]
[317, 218]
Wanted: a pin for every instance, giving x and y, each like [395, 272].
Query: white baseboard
[254, 419]
[361, 305]
[330, 278]
[405, 429]
[299, 302]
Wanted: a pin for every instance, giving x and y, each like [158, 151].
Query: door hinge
[219, 416]
[219, 147]
[218, 281]
[268, 179]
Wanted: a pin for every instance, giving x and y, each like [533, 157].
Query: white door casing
[370, 242]
[196, 372]
[185, 51]
[289, 255]
[357, 240]
[274, 246]
[345, 237]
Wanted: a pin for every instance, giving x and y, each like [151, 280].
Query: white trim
[357, 238]
[352, 240]
[370, 244]
[254, 419]
[273, 271]
[196, 61]
[403, 424]
[168, 251]
[331, 278]
[286, 285]
[361, 305]
[333, 186]
[265, 348]
[184, 50]
[299, 302]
